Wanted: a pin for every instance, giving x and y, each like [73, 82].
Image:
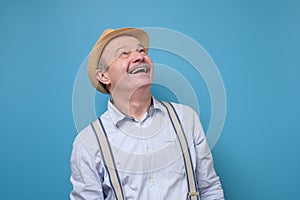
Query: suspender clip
[192, 194]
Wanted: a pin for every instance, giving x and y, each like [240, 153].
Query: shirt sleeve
[85, 177]
[208, 182]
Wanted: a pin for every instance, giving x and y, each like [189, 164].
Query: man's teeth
[139, 70]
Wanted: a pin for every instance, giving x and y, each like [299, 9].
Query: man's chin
[144, 85]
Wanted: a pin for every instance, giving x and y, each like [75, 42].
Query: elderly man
[140, 148]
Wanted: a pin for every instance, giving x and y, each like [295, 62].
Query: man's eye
[124, 54]
[142, 50]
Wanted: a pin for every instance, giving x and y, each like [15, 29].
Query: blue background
[255, 45]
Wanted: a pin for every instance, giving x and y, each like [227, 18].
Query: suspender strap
[192, 193]
[110, 165]
[108, 159]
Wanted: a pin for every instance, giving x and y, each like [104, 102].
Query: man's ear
[103, 77]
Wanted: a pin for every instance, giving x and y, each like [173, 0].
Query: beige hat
[97, 50]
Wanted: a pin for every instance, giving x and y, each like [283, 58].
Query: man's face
[129, 66]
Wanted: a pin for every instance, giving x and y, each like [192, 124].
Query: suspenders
[192, 193]
[110, 166]
[108, 159]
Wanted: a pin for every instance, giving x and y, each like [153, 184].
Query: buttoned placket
[150, 173]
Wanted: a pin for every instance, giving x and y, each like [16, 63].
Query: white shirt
[147, 155]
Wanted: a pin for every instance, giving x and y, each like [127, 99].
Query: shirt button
[151, 179]
[148, 150]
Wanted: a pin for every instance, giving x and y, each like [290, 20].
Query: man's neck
[135, 105]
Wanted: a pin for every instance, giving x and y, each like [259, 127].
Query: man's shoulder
[182, 108]
[88, 139]
[185, 113]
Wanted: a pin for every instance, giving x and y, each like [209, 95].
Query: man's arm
[208, 182]
[85, 177]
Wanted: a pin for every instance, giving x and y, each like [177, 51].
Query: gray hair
[102, 65]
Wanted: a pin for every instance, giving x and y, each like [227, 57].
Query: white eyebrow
[124, 47]
[140, 45]
[118, 49]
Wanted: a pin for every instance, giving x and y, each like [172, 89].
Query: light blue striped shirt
[147, 155]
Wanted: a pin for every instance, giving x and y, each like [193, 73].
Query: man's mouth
[141, 68]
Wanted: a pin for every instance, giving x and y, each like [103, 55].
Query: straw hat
[97, 50]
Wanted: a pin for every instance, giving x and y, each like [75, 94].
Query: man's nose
[137, 57]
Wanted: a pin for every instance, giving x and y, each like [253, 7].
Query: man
[140, 148]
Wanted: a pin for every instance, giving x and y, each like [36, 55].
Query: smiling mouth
[143, 68]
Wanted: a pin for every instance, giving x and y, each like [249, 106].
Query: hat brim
[97, 50]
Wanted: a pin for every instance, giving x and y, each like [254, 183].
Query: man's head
[119, 61]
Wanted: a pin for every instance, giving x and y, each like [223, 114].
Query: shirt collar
[117, 116]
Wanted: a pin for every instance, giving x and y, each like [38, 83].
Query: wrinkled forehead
[126, 42]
